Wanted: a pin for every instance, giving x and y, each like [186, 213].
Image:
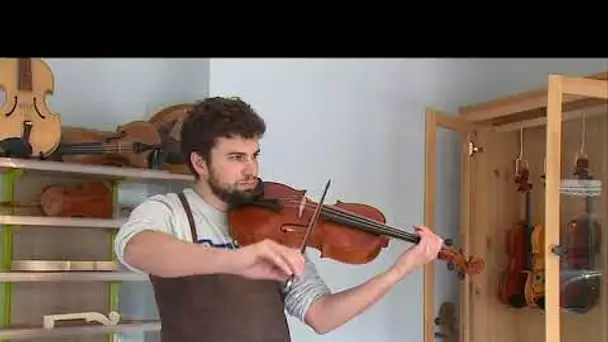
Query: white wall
[361, 123]
[102, 93]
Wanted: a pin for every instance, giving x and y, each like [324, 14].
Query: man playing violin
[206, 286]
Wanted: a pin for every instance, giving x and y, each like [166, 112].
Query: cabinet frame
[561, 100]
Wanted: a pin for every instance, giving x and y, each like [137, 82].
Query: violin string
[345, 214]
[96, 146]
[374, 226]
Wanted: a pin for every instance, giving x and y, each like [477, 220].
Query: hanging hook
[520, 161]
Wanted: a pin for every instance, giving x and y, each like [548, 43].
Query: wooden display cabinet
[547, 132]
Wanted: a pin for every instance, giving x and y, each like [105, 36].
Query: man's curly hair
[216, 117]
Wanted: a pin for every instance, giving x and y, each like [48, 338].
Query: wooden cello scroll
[27, 127]
[168, 122]
[112, 319]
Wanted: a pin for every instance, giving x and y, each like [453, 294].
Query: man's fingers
[276, 259]
[292, 256]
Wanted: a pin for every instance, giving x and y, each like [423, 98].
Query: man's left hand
[421, 254]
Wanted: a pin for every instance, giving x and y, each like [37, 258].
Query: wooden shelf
[48, 221]
[23, 333]
[21, 277]
[64, 266]
[102, 171]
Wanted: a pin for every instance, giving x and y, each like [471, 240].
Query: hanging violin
[351, 233]
[582, 244]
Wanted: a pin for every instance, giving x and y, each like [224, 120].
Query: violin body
[74, 147]
[288, 226]
[134, 144]
[535, 281]
[25, 116]
[351, 233]
[88, 200]
[513, 279]
[583, 242]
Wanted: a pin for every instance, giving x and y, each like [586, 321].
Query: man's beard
[230, 196]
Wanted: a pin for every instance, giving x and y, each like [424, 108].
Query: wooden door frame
[434, 119]
[559, 87]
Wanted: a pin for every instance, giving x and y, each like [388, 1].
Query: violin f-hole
[14, 107]
[37, 110]
[293, 228]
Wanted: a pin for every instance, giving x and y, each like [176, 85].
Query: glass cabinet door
[576, 210]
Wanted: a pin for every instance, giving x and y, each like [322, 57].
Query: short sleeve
[152, 214]
[305, 290]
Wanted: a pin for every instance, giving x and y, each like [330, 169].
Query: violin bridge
[302, 206]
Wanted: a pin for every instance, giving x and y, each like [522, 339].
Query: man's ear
[198, 163]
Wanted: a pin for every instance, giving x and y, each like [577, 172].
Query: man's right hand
[267, 260]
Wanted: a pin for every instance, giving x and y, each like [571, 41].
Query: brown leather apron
[219, 307]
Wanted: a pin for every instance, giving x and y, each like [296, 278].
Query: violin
[534, 286]
[28, 127]
[512, 283]
[88, 200]
[136, 144]
[535, 280]
[351, 233]
[582, 244]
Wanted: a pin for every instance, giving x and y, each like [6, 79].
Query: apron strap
[182, 197]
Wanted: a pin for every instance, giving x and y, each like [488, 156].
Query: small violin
[92, 199]
[351, 233]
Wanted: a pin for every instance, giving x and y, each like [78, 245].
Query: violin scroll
[455, 258]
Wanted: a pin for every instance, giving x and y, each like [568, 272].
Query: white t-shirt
[165, 213]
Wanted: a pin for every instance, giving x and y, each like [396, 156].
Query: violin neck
[95, 148]
[528, 214]
[365, 224]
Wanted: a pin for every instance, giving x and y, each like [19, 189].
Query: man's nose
[250, 168]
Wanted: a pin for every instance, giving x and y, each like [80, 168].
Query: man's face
[232, 170]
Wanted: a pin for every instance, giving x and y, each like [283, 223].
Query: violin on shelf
[136, 144]
[582, 243]
[84, 200]
[351, 233]
[27, 127]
